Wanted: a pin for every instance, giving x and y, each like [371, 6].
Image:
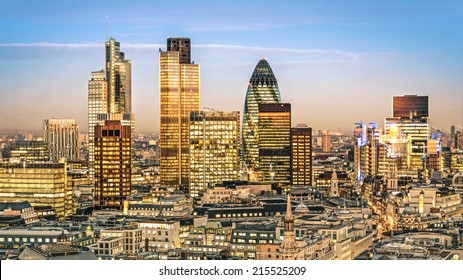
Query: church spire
[289, 239]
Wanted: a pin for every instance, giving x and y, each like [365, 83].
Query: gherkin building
[262, 88]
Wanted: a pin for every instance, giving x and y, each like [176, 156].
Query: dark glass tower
[262, 88]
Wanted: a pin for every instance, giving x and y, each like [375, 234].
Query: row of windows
[28, 239]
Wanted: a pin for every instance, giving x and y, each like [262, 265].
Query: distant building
[326, 142]
[62, 137]
[410, 106]
[301, 156]
[411, 116]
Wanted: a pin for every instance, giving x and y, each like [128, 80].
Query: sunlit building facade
[39, 183]
[62, 138]
[301, 155]
[119, 78]
[113, 163]
[110, 95]
[411, 116]
[97, 104]
[214, 149]
[275, 142]
[366, 150]
[29, 151]
[179, 88]
[262, 88]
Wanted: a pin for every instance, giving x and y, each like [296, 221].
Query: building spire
[289, 213]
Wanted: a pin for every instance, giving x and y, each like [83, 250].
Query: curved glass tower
[262, 88]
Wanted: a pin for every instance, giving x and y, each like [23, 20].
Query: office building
[262, 88]
[40, 184]
[411, 116]
[113, 173]
[326, 142]
[62, 137]
[179, 91]
[119, 79]
[214, 149]
[366, 150]
[275, 142]
[97, 104]
[410, 106]
[110, 95]
[301, 155]
[29, 151]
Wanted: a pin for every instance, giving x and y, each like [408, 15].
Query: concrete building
[62, 138]
[119, 241]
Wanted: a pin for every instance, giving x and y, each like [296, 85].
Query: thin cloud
[280, 50]
[50, 45]
[140, 46]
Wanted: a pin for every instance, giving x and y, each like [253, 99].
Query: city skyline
[359, 54]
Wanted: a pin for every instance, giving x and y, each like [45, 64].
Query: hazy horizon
[336, 64]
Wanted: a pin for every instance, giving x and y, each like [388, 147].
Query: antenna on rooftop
[106, 28]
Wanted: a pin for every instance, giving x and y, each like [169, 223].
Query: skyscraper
[262, 88]
[410, 106]
[119, 79]
[97, 104]
[113, 164]
[214, 149]
[411, 116]
[110, 95]
[62, 137]
[275, 142]
[179, 89]
[301, 155]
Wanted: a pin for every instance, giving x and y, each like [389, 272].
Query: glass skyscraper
[118, 76]
[179, 96]
[110, 95]
[275, 142]
[214, 149]
[262, 88]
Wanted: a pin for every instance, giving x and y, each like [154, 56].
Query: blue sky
[337, 62]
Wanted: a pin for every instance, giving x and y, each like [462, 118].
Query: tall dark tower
[181, 45]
